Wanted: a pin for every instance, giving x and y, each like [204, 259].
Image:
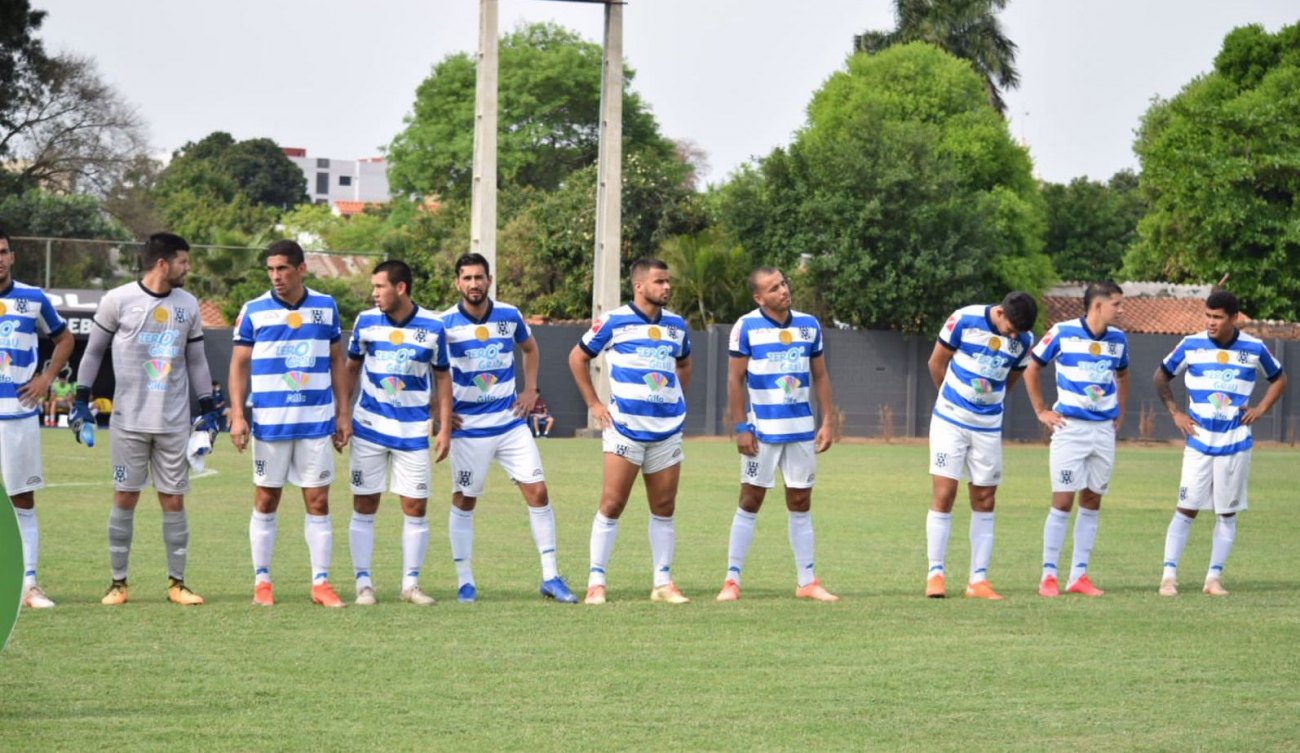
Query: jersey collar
[291, 306]
[415, 309]
[789, 317]
[486, 314]
[641, 313]
[1083, 322]
[8, 288]
[1236, 333]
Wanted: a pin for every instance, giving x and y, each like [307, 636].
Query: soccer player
[25, 313]
[396, 352]
[648, 357]
[776, 353]
[481, 336]
[1220, 366]
[156, 335]
[289, 340]
[980, 354]
[1091, 394]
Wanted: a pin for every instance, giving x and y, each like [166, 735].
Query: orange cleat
[1049, 588]
[262, 596]
[179, 593]
[1084, 586]
[116, 594]
[1214, 587]
[935, 588]
[322, 594]
[982, 589]
[814, 592]
[730, 591]
[668, 594]
[595, 595]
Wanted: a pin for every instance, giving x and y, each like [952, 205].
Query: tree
[20, 53]
[967, 29]
[351, 294]
[1090, 225]
[549, 110]
[709, 274]
[43, 214]
[1221, 172]
[904, 196]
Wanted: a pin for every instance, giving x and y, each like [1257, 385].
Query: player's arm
[938, 363]
[1046, 416]
[821, 380]
[1164, 388]
[1274, 393]
[342, 395]
[442, 388]
[1121, 393]
[684, 368]
[241, 359]
[1015, 375]
[737, 368]
[580, 368]
[528, 396]
[33, 392]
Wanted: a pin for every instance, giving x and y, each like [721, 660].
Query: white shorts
[955, 451]
[1082, 456]
[651, 456]
[20, 455]
[136, 454]
[1216, 482]
[371, 466]
[305, 463]
[515, 451]
[797, 461]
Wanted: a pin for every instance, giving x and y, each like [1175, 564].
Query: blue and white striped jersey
[1086, 368]
[1219, 381]
[646, 403]
[976, 382]
[482, 356]
[25, 314]
[293, 397]
[779, 373]
[396, 376]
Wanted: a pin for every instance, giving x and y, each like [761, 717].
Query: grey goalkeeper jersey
[150, 334]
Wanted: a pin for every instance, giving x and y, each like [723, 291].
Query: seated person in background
[540, 419]
[221, 406]
[60, 399]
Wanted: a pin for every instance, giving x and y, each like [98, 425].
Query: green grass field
[885, 669]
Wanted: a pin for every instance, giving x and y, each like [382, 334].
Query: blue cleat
[557, 589]
[467, 594]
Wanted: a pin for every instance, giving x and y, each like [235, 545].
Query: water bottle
[88, 433]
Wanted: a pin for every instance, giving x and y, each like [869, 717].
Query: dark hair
[752, 282]
[473, 259]
[3, 235]
[1222, 300]
[643, 265]
[286, 248]
[161, 247]
[1095, 290]
[1021, 310]
[396, 271]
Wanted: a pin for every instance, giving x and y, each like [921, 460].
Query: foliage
[709, 275]
[42, 214]
[967, 29]
[21, 53]
[549, 112]
[351, 294]
[1221, 171]
[905, 195]
[1090, 225]
[130, 199]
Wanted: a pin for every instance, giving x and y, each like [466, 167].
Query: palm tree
[709, 274]
[968, 29]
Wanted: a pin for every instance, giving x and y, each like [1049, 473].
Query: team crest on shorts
[621, 450]
[1067, 477]
[1182, 494]
[357, 478]
[464, 478]
[259, 467]
[751, 468]
[940, 460]
[119, 473]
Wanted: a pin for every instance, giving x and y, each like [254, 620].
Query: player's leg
[312, 470]
[411, 473]
[470, 457]
[1066, 473]
[518, 456]
[798, 463]
[949, 446]
[270, 472]
[1195, 487]
[20, 467]
[757, 475]
[1231, 474]
[1098, 467]
[621, 462]
[129, 455]
[984, 464]
[367, 471]
[171, 478]
[661, 472]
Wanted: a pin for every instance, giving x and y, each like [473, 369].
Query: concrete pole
[609, 187]
[483, 203]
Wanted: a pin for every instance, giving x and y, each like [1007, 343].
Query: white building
[333, 180]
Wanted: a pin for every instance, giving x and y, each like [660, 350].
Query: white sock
[31, 544]
[460, 528]
[742, 535]
[320, 543]
[1175, 540]
[361, 543]
[542, 522]
[604, 531]
[1085, 533]
[415, 542]
[1225, 532]
[261, 539]
[937, 527]
[801, 543]
[663, 540]
[1053, 539]
[981, 545]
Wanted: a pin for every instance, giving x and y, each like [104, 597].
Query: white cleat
[35, 598]
[366, 596]
[417, 597]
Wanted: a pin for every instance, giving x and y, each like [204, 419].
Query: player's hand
[747, 443]
[78, 416]
[600, 416]
[441, 444]
[33, 393]
[1185, 423]
[1051, 419]
[456, 421]
[1251, 415]
[239, 433]
[822, 442]
[524, 402]
[342, 434]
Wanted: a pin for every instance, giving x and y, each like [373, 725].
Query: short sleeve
[243, 332]
[49, 321]
[522, 330]
[950, 333]
[1048, 348]
[597, 338]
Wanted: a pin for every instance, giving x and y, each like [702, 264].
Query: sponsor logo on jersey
[393, 386]
[395, 337]
[293, 320]
[157, 370]
[485, 382]
[785, 337]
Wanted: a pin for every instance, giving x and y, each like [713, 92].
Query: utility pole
[483, 202]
